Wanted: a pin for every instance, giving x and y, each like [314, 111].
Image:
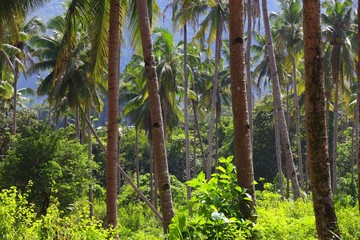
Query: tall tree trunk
[77, 122]
[317, 149]
[335, 62]
[242, 138]
[297, 123]
[218, 44]
[91, 192]
[16, 79]
[186, 116]
[278, 154]
[196, 122]
[217, 124]
[113, 88]
[352, 155]
[280, 111]
[156, 118]
[137, 157]
[194, 156]
[151, 180]
[248, 66]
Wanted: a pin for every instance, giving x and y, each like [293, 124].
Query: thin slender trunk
[124, 174]
[352, 155]
[151, 180]
[280, 111]
[278, 155]
[156, 118]
[186, 116]
[242, 137]
[316, 132]
[218, 44]
[194, 156]
[77, 123]
[16, 79]
[248, 66]
[137, 157]
[196, 121]
[217, 124]
[335, 75]
[65, 122]
[113, 95]
[297, 123]
[91, 192]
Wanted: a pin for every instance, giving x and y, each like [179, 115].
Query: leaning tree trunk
[242, 138]
[317, 147]
[278, 154]
[248, 66]
[280, 111]
[186, 116]
[297, 123]
[218, 44]
[113, 88]
[156, 118]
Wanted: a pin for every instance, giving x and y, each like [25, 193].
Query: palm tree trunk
[77, 123]
[124, 174]
[160, 156]
[217, 124]
[242, 138]
[317, 149]
[186, 116]
[196, 121]
[137, 157]
[280, 111]
[218, 44]
[297, 123]
[151, 180]
[16, 79]
[91, 192]
[278, 155]
[113, 95]
[335, 75]
[248, 66]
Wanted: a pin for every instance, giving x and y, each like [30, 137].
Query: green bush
[56, 166]
[216, 208]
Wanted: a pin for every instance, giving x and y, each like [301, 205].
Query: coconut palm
[287, 29]
[337, 21]
[156, 116]
[326, 222]
[242, 136]
[279, 109]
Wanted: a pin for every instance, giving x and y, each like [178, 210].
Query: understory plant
[215, 208]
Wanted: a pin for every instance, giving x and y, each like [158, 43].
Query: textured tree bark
[218, 44]
[156, 117]
[278, 155]
[317, 148]
[113, 95]
[279, 109]
[297, 124]
[242, 138]
[91, 192]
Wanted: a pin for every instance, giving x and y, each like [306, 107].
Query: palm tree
[242, 137]
[326, 222]
[156, 116]
[279, 109]
[288, 33]
[337, 20]
[358, 103]
[213, 22]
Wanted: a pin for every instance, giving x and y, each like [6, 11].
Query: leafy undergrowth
[276, 219]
